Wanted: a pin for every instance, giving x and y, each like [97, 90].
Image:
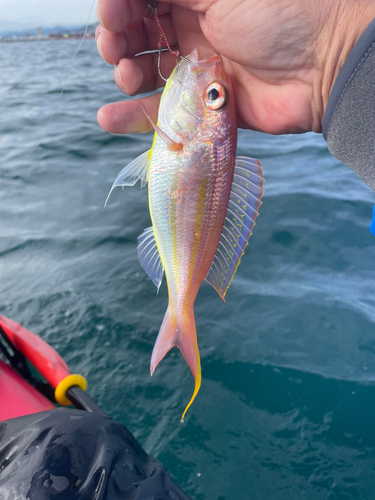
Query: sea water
[287, 404]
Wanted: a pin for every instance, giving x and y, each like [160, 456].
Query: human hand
[282, 56]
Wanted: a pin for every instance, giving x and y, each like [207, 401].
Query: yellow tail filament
[198, 380]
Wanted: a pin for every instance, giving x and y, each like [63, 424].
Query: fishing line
[74, 56]
[66, 78]
[153, 6]
[85, 33]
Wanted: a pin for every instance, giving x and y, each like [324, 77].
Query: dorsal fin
[243, 206]
[136, 170]
[148, 255]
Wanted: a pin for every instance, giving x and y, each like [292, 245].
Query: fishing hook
[153, 6]
[159, 69]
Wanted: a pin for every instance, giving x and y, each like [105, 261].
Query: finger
[127, 117]
[138, 38]
[111, 46]
[117, 15]
[140, 74]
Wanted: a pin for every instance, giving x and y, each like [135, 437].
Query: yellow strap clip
[65, 384]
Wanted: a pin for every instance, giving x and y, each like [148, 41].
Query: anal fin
[243, 206]
[148, 255]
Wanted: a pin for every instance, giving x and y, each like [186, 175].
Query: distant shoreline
[47, 38]
[42, 34]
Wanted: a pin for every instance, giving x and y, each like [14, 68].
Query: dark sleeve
[349, 120]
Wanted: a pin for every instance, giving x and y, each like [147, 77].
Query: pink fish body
[203, 201]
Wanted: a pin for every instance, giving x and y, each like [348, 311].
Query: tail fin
[179, 332]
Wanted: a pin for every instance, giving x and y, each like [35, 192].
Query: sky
[30, 14]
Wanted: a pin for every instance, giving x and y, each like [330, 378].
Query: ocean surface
[287, 404]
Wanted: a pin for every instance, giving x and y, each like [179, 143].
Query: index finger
[117, 15]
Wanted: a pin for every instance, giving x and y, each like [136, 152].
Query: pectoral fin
[243, 206]
[136, 170]
[171, 144]
[148, 255]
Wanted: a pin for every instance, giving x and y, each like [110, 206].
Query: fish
[203, 200]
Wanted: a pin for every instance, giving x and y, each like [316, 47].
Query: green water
[287, 404]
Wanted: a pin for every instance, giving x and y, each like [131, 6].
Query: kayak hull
[18, 396]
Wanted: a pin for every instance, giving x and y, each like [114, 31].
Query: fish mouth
[194, 60]
[194, 64]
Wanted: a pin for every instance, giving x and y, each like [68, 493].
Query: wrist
[343, 27]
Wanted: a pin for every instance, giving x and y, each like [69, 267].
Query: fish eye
[215, 96]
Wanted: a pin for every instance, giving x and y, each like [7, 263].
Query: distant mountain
[48, 30]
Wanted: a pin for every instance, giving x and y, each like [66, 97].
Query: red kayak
[24, 393]
[51, 452]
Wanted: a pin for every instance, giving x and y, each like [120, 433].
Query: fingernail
[98, 31]
[98, 15]
[99, 46]
[118, 78]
